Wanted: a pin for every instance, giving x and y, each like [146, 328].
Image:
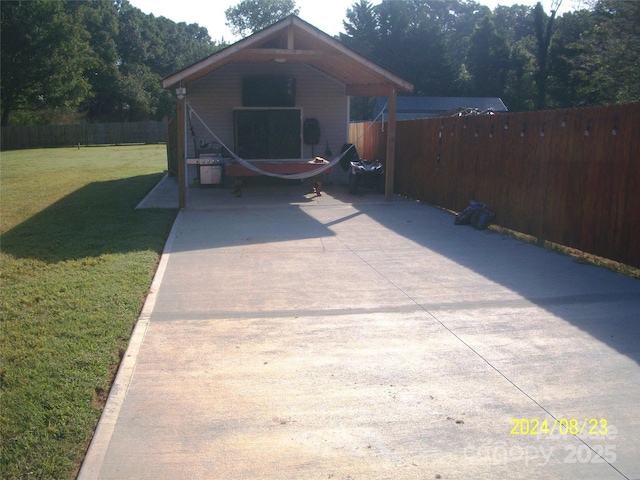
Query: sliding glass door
[267, 133]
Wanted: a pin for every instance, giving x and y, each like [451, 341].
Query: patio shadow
[97, 219]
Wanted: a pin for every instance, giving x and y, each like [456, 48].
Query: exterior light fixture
[181, 92]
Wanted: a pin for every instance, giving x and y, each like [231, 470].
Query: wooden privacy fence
[570, 177]
[46, 136]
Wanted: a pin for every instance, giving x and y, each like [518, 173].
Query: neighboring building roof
[411, 108]
[293, 40]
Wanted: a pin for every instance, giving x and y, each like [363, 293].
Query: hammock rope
[292, 176]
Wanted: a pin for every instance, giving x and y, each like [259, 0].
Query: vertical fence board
[542, 174]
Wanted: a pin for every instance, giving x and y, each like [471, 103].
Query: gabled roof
[293, 40]
[411, 108]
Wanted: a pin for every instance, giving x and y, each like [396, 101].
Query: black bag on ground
[482, 218]
[464, 217]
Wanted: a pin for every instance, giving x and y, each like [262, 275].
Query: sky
[327, 15]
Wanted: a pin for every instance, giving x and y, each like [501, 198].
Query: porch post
[180, 115]
[391, 146]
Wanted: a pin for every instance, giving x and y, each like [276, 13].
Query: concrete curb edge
[92, 463]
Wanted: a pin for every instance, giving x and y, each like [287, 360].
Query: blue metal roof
[411, 108]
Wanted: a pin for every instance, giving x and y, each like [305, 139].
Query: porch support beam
[391, 145]
[180, 116]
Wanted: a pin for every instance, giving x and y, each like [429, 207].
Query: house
[412, 108]
[276, 99]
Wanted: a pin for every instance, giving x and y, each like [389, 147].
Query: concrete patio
[293, 336]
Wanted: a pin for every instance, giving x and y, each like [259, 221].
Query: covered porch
[259, 97]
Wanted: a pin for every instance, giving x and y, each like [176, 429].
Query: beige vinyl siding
[215, 96]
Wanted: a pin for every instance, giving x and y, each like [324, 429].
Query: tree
[100, 20]
[151, 49]
[513, 23]
[454, 20]
[45, 52]
[361, 28]
[520, 90]
[564, 84]
[96, 59]
[133, 35]
[605, 58]
[407, 41]
[429, 69]
[104, 60]
[250, 16]
[543, 25]
[488, 60]
[176, 45]
[394, 24]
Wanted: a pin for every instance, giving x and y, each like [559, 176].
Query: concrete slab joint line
[339, 337]
[485, 360]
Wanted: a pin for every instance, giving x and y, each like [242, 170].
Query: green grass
[76, 263]
[578, 255]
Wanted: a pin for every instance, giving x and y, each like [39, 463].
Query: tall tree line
[103, 60]
[95, 60]
[528, 57]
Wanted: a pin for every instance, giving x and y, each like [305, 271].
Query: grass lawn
[76, 262]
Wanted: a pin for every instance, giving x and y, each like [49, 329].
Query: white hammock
[292, 176]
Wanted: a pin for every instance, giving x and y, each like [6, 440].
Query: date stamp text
[581, 427]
